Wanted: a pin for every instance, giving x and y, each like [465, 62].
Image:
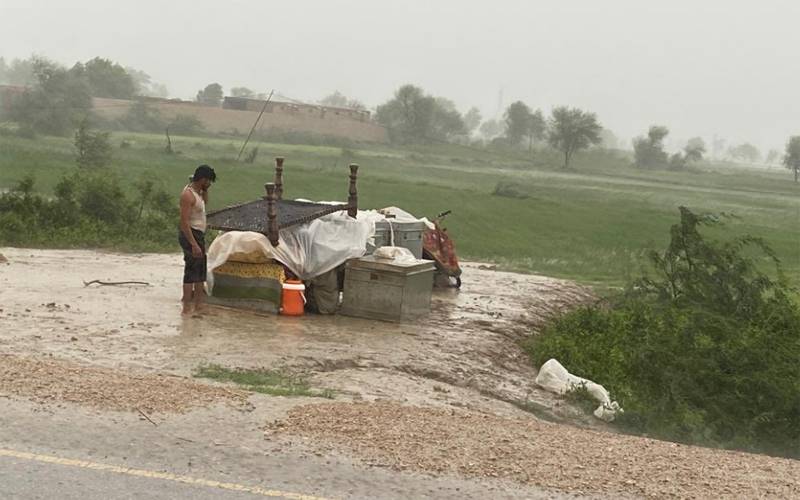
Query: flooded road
[464, 354]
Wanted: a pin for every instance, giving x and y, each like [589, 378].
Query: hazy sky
[701, 67]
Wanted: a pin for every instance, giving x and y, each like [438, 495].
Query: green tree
[446, 122]
[792, 157]
[490, 129]
[745, 152]
[92, 149]
[695, 149]
[571, 129]
[211, 95]
[18, 71]
[609, 140]
[408, 116]
[537, 128]
[56, 103]
[242, 92]
[472, 118]
[106, 78]
[144, 85]
[649, 151]
[141, 80]
[772, 156]
[517, 120]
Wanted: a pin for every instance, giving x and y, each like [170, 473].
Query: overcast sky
[700, 67]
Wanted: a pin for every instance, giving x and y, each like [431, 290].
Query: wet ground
[464, 354]
[97, 399]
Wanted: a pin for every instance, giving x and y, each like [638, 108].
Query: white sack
[555, 378]
[394, 254]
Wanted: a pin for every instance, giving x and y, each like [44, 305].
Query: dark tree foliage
[571, 129]
[649, 151]
[18, 71]
[56, 103]
[92, 148]
[695, 149]
[472, 118]
[791, 159]
[105, 78]
[745, 152]
[517, 119]
[242, 92]
[211, 95]
[412, 116]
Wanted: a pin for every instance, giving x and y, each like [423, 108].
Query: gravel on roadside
[61, 381]
[552, 456]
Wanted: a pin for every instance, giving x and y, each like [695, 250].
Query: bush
[705, 351]
[509, 190]
[93, 149]
[89, 209]
[186, 125]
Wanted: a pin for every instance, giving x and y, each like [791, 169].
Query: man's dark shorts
[194, 269]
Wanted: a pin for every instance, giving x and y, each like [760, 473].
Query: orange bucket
[293, 298]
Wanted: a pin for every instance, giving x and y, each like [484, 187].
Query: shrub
[89, 209]
[509, 190]
[142, 118]
[93, 149]
[703, 351]
[186, 125]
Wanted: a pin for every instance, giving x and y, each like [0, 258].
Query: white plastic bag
[555, 378]
[394, 254]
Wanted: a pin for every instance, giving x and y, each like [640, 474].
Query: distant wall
[291, 108]
[238, 121]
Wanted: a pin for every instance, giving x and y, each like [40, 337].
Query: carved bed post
[272, 214]
[279, 177]
[352, 199]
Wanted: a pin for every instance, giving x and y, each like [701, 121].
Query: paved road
[68, 452]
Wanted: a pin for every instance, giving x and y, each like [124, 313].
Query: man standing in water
[192, 237]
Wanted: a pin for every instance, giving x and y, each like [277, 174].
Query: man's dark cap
[204, 172]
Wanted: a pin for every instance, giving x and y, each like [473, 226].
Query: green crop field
[592, 223]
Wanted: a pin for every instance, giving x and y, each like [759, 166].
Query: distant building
[250, 104]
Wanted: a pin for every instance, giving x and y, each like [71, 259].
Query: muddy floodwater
[464, 354]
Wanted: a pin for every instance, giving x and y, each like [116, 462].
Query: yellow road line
[48, 459]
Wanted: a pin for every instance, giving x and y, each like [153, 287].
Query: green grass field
[592, 223]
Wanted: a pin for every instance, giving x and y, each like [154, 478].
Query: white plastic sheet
[308, 250]
[555, 378]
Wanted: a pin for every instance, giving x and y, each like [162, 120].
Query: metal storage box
[389, 291]
[406, 235]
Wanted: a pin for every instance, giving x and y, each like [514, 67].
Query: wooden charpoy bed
[272, 213]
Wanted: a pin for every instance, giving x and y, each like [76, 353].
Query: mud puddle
[464, 354]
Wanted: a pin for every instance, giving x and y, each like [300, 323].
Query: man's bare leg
[186, 300]
[200, 297]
